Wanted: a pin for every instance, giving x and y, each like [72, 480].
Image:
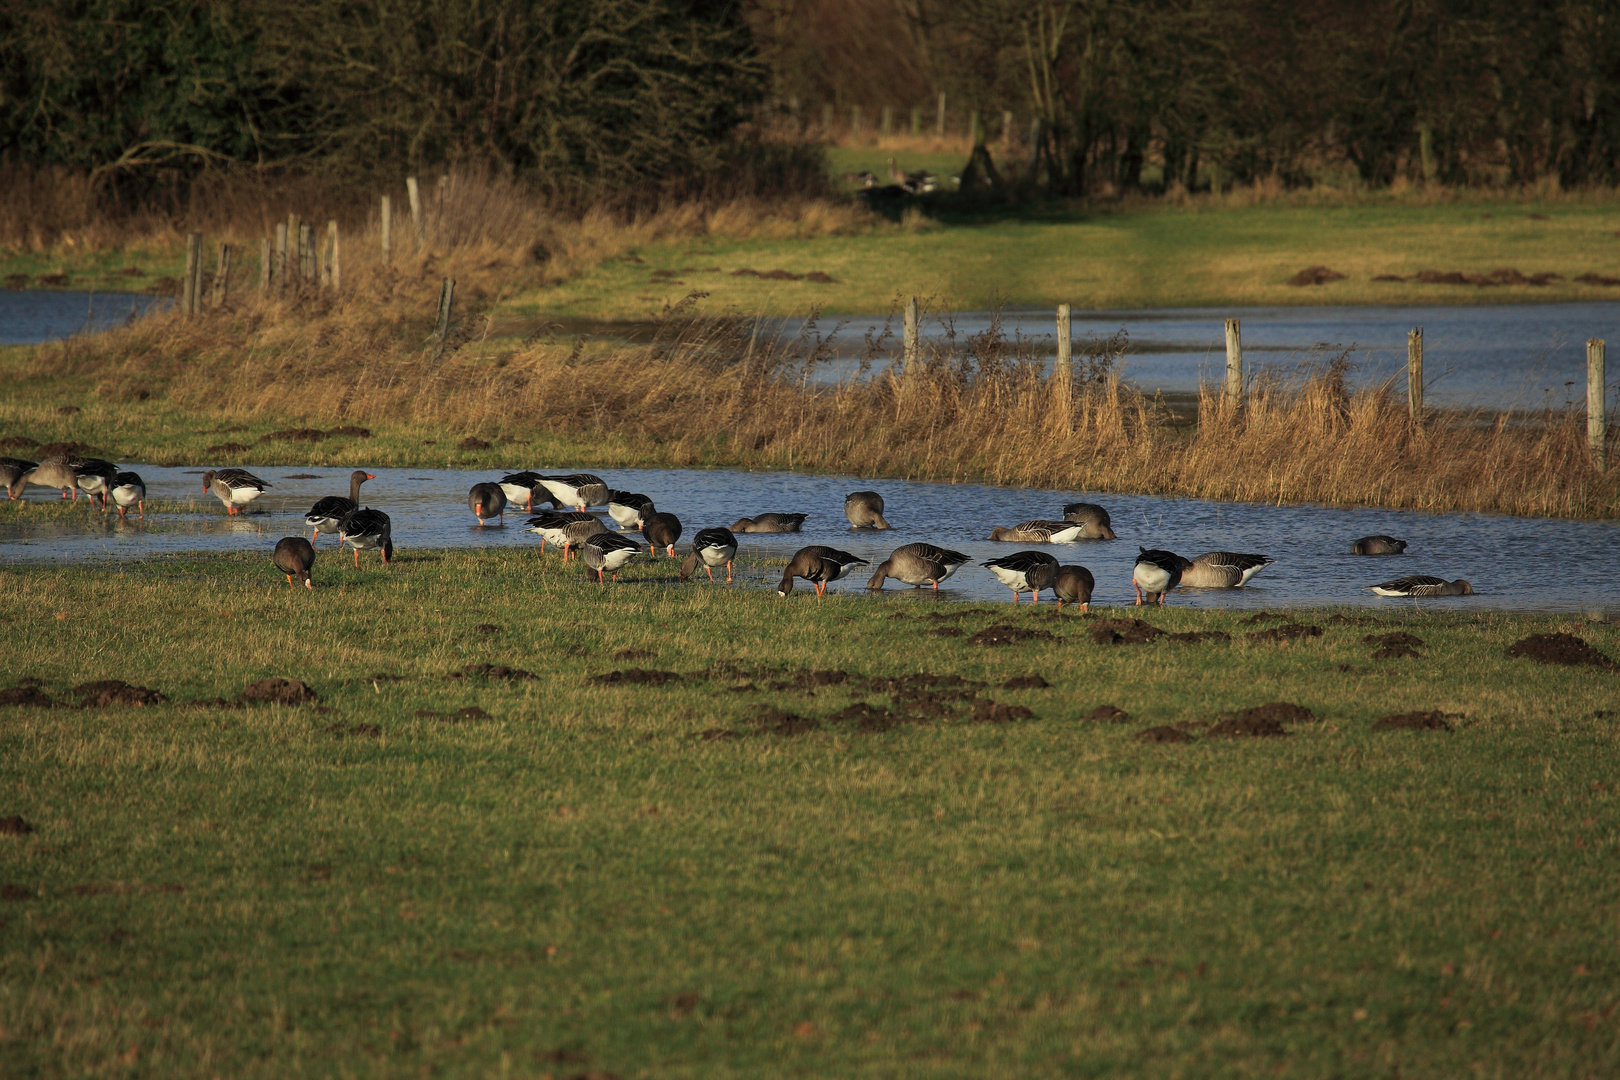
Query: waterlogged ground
[1525, 564]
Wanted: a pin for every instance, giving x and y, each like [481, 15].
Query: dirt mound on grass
[1279, 634]
[634, 654]
[1397, 652]
[15, 892]
[1006, 634]
[636, 677]
[1124, 632]
[717, 734]
[986, 711]
[1315, 275]
[363, 731]
[1264, 616]
[1026, 682]
[279, 691]
[472, 442]
[55, 449]
[15, 826]
[1163, 734]
[99, 695]
[351, 431]
[1247, 727]
[1283, 712]
[807, 680]
[779, 722]
[1107, 714]
[25, 695]
[867, 718]
[493, 671]
[17, 442]
[1559, 649]
[1413, 721]
[1396, 638]
[1196, 637]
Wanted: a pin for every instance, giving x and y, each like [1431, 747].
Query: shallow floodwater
[32, 316]
[1513, 563]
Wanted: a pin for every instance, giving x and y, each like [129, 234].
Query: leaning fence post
[939, 127]
[222, 276]
[264, 265]
[188, 284]
[414, 191]
[910, 340]
[1596, 429]
[1414, 375]
[387, 231]
[336, 273]
[1234, 365]
[447, 295]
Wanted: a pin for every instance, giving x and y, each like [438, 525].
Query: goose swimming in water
[1155, 574]
[710, 548]
[577, 489]
[607, 552]
[233, 487]
[1039, 532]
[918, 565]
[294, 556]
[328, 512]
[770, 523]
[487, 501]
[368, 530]
[1378, 545]
[1032, 570]
[1094, 518]
[128, 489]
[864, 509]
[818, 565]
[1221, 570]
[1423, 585]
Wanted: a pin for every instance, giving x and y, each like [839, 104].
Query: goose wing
[1409, 585]
[1021, 561]
[713, 538]
[608, 542]
[240, 478]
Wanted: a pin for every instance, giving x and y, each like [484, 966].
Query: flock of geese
[570, 526]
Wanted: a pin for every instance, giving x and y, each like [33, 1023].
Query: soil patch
[279, 691]
[636, 677]
[717, 734]
[15, 826]
[994, 712]
[351, 431]
[25, 695]
[867, 718]
[99, 695]
[472, 442]
[1194, 637]
[634, 654]
[1124, 632]
[227, 448]
[364, 731]
[1559, 649]
[1315, 275]
[1398, 637]
[1282, 712]
[1026, 682]
[301, 434]
[783, 723]
[54, 449]
[17, 442]
[1006, 634]
[1263, 616]
[1247, 727]
[1397, 652]
[1163, 734]
[1413, 721]
[383, 676]
[1107, 714]
[493, 671]
[9, 891]
[835, 677]
[1288, 632]
[486, 628]
[946, 631]
[933, 704]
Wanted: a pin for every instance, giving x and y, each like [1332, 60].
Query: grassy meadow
[738, 874]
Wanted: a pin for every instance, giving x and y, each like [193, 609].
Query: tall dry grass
[723, 392]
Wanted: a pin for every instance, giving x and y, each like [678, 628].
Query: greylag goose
[54, 472]
[864, 510]
[234, 487]
[1032, 570]
[1093, 517]
[661, 531]
[607, 552]
[12, 471]
[770, 523]
[1221, 570]
[577, 489]
[328, 513]
[525, 487]
[128, 489]
[629, 509]
[1073, 585]
[294, 556]
[1156, 573]
[367, 530]
[1378, 545]
[1039, 532]
[487, 501]
[553, 525]
[818, 565]
[95, 476]
[918, 565]
[575, 533]
[1423, 585]
[710, 547]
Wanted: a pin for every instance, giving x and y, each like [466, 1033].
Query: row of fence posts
[1232, 388]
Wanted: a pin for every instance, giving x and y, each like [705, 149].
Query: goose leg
[142, 505]
[711, 572]
[289, 581]
[728, 571]
[1138, 592]
[1085, 609]
[357, 558]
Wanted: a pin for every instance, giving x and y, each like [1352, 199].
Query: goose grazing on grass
[818, 565]
[487, 501]
[367, 530]
[1156, 573]
[128, 489]
[661, 531]
[553, 525]
[95, 477]
[1221, 570]
[294, 556]
[918, 565]
[328, 513]
[575, 533]
[606, 552]
[12, 471]
[1039, 532]
[1032, 570]
[710, 548]
[770, 523]
[1094, 518]
[1073, 585]
[1378, 545]
[577, 489]
[524, 488]
[864, 509]
[233, 487]
[1423, 585]
[629, 509]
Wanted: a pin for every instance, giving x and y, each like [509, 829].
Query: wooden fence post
[447, 295]
[444, 196]
[916, 121]
[1414, 375]
[975, 136]
[188, 283]
[910, 344]
[1596, 390]
[939, 127]
[306, 251]
[1064, 369]
[387, 231]
[414, 192]
[264, 265]
[295, 254]
[1233, 395]
[1006, 130]
[279, 274]
[335, 271]
[222, 276]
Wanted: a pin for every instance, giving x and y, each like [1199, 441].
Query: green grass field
[672, 881]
